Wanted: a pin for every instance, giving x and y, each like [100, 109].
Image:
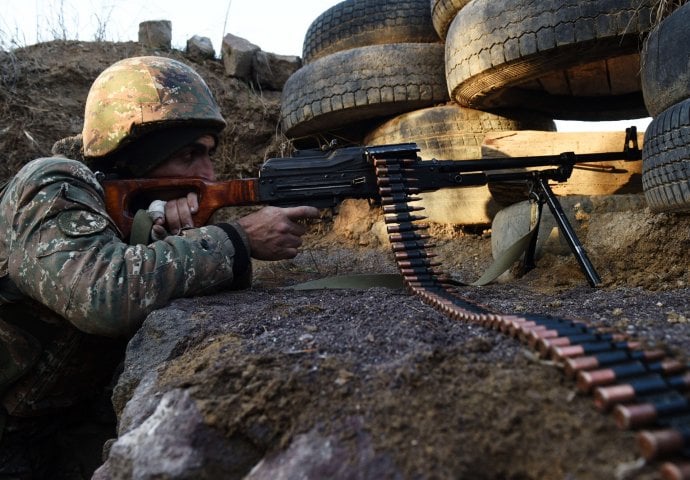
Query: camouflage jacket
[64, 266]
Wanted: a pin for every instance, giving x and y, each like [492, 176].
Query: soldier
[71, 289]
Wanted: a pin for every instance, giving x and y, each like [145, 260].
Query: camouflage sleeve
[64, 251]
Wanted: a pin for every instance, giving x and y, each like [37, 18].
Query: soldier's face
[194, 160]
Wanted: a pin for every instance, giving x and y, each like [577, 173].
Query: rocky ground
[368, 383]
[373, 383]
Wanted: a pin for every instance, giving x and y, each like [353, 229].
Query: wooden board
[604, 178]
[532, 143]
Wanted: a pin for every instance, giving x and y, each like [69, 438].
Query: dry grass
[663, 8]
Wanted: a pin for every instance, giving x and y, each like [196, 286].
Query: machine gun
[324, 177]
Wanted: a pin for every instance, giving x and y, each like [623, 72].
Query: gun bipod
[541, 193]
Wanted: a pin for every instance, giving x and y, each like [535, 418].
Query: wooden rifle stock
[124, 197]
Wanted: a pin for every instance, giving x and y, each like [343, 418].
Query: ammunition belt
[644, 389]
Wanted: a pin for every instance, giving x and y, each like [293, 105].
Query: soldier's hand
[178, 214]
[274, 233]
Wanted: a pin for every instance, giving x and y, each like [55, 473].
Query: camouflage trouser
[16, 460]
[65, 446]
[18, 353]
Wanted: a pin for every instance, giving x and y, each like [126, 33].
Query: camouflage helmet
[139, 95]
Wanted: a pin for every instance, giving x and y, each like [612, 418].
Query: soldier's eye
[186, 155]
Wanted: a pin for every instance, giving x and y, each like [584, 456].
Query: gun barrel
[508, 163]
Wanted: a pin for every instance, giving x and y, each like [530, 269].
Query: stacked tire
[666, 89]
[443, 73]
[572, 59]
[363, 60]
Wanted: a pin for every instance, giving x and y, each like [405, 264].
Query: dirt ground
[379, 371]
[443, 399]
[399, 390]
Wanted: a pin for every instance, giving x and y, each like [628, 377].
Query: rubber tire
[666, 62]
[362, 84]
[360, 23]
[495, 59]
[443, 12]
[666, 160]
[451, 132]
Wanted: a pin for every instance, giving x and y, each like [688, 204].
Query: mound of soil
[43, 89]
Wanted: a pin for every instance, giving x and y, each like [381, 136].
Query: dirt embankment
[43, 89]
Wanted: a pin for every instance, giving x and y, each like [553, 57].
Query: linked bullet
[553, 331]
[533, 335]
[417, 263]
[387, 162]
[415, 254]
[397, 188]
[397, 198]
[545, 345]
[640, 414]
[412, 245]
[406, 227]
[606, 397]
[401, 208]
[418, 287]
[561, 353]
[660, 443]
[586, 380]
[524, 326]
[421, 278]
[574, 365]
[395, 178]
[407, 237]
[402, 217]
[675, 470]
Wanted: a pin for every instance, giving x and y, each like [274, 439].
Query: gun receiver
[324, 178]
[317, 178]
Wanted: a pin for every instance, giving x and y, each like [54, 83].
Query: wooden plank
[602, 178]
[532, 143]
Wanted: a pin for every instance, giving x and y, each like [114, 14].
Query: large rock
[315, 455]
[238, 56]
[175, 442]
[271, 71]
[200, 48]
[171, 329]
[156, 34]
